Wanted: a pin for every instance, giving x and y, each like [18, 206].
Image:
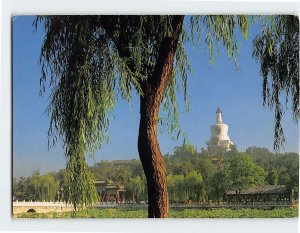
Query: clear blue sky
[238, 93]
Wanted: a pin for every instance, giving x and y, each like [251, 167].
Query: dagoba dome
[219, 135]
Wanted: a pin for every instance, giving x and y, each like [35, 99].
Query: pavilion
[265, 194]
[110, 191]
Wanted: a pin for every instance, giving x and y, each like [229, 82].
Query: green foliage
[81, 187]
[130, 175]
[61, 177]
[231, 171]
[243, 172]
[190, 176]
[283, 166]
[287, 166]
[85, 57]
[258, 151]
[183, 188]
[272, 177]
[136, 189]
[89, 61]
[220, 28]
[44, 187]
[93, 51]
[36, 187]
[184, 151]
[174, 187]
[20, 191]
[277, 50]
[174, 213]
[194, 186]
[218, 183]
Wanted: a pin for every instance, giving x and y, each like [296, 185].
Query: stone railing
[41, 203]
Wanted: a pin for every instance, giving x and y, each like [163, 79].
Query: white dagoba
[219, 135]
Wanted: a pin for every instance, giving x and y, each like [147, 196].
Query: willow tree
[90, 60]
[277, 50]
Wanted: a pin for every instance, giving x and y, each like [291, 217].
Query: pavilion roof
[109, 184]
[264, 189]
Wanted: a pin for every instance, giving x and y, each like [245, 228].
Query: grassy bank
[174, 213]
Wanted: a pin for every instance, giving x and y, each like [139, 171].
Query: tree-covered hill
[196, 176]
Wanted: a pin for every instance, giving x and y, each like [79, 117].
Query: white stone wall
[41, 207]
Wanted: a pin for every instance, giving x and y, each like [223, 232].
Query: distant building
[110, 191]
[219, 135]
[123, 162]
[279, 194]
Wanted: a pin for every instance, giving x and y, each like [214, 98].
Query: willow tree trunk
[149, 151]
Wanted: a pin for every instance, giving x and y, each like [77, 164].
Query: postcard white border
[10, 8]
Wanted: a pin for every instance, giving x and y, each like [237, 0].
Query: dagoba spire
[219, 116]
[219, 134]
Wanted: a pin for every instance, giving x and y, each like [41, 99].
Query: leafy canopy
[90, 61]
[277, 50]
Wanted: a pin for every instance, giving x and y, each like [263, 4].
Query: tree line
[191, 175]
